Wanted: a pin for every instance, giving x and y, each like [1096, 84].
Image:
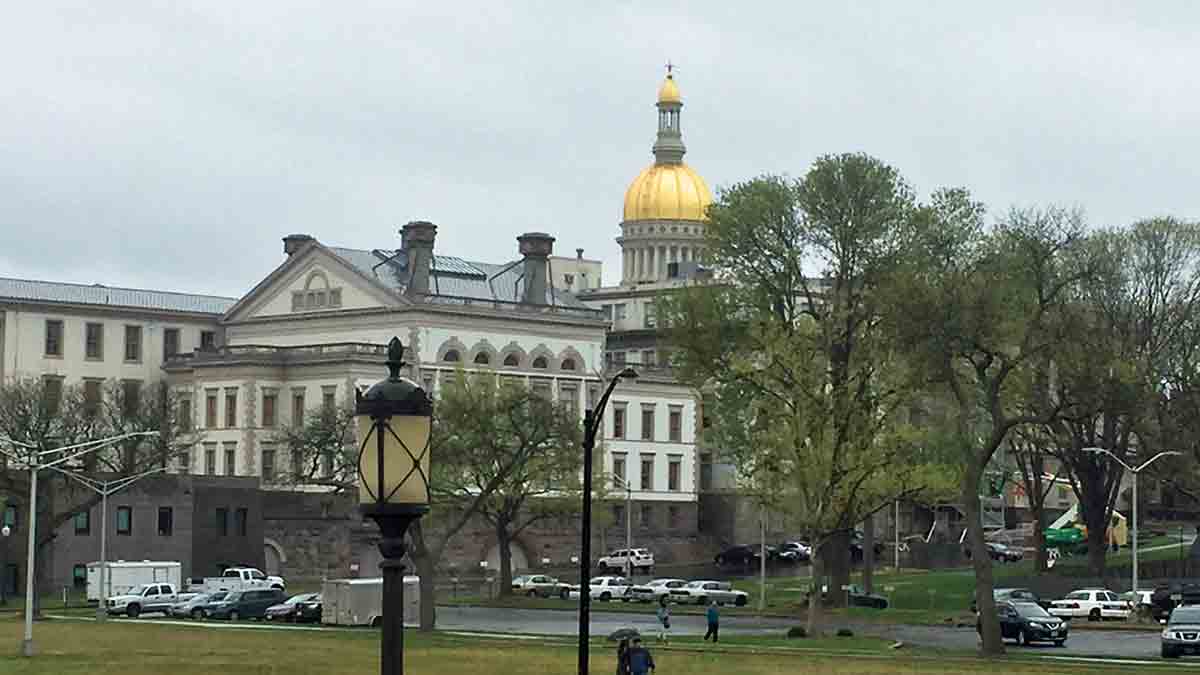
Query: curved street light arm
[1155, 458]
[598, 413]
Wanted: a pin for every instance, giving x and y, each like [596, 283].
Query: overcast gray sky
[166, 146]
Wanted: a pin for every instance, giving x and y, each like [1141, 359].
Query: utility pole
[762, 558]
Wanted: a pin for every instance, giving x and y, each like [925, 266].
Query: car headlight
[1166, 634]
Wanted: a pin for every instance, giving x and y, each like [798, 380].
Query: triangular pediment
[312, 281]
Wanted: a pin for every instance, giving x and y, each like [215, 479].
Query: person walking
[714, 622]
[623, 657]
[664, 620]
[639, 659]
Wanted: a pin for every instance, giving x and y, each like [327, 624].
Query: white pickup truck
[236, 579]
[145, 599]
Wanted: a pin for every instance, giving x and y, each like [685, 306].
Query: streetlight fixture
[36, 460]
[1135, 471]
[4, 532]
[592, 421]
[395, 419]
[104, 488]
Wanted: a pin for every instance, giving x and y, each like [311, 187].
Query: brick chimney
[294, 242]
[416, 238]
[536, 248]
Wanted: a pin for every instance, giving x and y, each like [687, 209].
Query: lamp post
[4, 532]
[1135, 471]
[104, 488]
[593, 420]
[622, 483]
[394, 418]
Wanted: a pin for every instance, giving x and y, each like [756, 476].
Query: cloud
[172, 146]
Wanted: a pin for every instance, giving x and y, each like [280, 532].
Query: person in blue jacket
[639, 659]
[714, 621]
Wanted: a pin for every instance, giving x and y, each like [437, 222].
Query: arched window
[540, 362]
[452, 356]
[568, 364]
[482, 358]
[512, 361]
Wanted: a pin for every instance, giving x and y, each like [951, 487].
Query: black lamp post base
[393, 523]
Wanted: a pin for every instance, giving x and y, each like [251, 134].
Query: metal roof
[109, 296]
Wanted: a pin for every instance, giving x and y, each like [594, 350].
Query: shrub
[845, 632]
[797, 632]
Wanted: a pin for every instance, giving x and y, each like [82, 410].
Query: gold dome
[669, 91]
[667, 192]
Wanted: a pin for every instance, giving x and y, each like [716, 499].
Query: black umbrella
[624, 634]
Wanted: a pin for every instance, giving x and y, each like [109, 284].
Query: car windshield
[695, 584]
[232, 597]
[215, 596]
[296, 599]
[1030, 610]
[1185, 615]
[520, 580]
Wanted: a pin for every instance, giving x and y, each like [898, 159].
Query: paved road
[566, 622]
[1129, 644]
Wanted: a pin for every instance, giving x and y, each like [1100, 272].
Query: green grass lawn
[68, 648]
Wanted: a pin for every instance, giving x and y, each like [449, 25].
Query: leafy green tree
[804, 385]
[979, 310]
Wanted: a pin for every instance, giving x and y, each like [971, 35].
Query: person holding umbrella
[638, 658]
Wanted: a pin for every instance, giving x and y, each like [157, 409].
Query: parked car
[1004, 553]
[1027, 622]
[857, 597]
[1167, 597]
[237, 579]
[1094, 603]
[144, 599]
[605, 588]
[1144, 599]
[194, 606]
[737, 555]
[1182, 633]
[296, 608]
[703, 591]
[1014, 595]
[535, 585]
[795, 551]
[627, 559]
[250, 604]
[656, 590]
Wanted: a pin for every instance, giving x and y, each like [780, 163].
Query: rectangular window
[568, 397]
[619, 421]
[619, 469]
[208, 340]
[230, 459]
[618, 358]
[210, 409]
[133, 343]
[52, 391]
[327, 464]
[593, 396]
[210, 459]
[674, 470]
[328, 397]
[131, 396]
[230, 408]
[648, 473]
[185, 462]
[619, 312]
[607, 311]
[54, 337]
[12, 578]
[93, 341]
[297, 408]
[268, 420]
[268, 464]
[650, 316]
[239, 521]
[92, 392]
[297, 465]
[222, 522]
[541, 389]
[166, 521]
[335, 297]
[79, 576]
[675, 425]
[83, 522]
[648, 358]
[647, 515]
[124, 520]
[647, 422]
[619, 514]
[170, 342]
[183, 414]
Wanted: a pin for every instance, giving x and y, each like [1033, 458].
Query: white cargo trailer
[359, 602]
[121, 576]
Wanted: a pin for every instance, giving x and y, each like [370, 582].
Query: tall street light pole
[104, 488]
[593, 420]
[1135, 471]
[36, 460]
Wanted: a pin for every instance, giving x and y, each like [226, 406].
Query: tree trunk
[869, 554]
[426, 564]
[817, 566]
[502, 542]
[993, 645]
[1095, 517]
[1041, 557]
[838, 561]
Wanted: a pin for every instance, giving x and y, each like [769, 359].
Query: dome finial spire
[668, 147]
